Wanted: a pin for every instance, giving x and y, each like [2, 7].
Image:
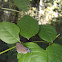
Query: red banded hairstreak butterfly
[21, 48]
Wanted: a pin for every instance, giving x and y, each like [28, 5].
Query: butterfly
[21, 48]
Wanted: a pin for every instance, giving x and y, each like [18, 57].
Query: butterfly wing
[20, 48]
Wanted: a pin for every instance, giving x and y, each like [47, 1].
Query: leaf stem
[57, 35]
[38, 41]
[7, 50]
[11, 10]
[42, 41]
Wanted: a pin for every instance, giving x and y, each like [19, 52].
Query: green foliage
[54, 52]
[28, 26]
[9, 32]
[22, 4]
[47, 33]
[37, 54]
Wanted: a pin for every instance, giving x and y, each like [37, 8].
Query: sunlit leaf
[9, 32]
[54, 52]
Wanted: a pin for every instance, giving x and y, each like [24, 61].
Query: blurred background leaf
[22, 4]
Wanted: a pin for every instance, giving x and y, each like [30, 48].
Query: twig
[7, 50]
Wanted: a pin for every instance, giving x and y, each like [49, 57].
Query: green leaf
[47, 33]
[37, 54]
[54, 52]
[28, 26]
[9, 32]
[22, 4]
